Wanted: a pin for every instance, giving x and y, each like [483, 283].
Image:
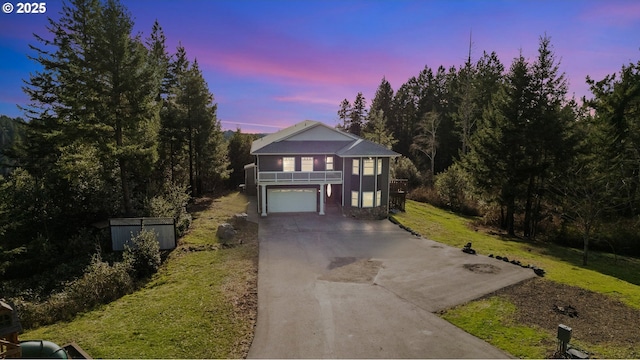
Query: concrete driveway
[333, 287]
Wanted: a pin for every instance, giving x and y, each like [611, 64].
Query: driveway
[333, 287]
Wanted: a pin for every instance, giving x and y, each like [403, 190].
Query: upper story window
[355, 169]
[288, 164]
[367, 167]
[379, 166]
[307, 164]
[329, 163]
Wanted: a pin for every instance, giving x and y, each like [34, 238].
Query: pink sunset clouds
[271, 64]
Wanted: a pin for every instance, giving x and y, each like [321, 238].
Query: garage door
[291, 200]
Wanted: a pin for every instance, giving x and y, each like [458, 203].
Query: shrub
[143, 255]
[452, 187]
[172, 203]
[404, 168]
[101, 283]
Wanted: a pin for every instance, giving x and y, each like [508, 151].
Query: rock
[225, 232]
[242, 217]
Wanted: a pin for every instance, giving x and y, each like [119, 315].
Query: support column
[263, 199]
[322, 199]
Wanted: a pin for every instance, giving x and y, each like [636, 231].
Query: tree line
[116, 125]
[513, 142]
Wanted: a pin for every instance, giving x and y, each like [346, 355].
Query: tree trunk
[191, 178]
[528, 206]
[510, 215]
[585, 253]
[124, 175]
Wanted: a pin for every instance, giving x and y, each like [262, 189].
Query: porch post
[263, 199]
[321, 199]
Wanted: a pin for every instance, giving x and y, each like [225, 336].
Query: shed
[124, 229]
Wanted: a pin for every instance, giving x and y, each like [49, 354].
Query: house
[310, 165]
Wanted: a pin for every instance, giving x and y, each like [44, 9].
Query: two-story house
[306, 166]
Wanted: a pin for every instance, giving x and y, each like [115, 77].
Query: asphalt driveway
[334, 287]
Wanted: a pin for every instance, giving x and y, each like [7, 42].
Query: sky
[271, 64]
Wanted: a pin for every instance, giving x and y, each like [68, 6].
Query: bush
[452, 188]
[101, 283]
[143, 256]
[404, 168]
[172, 203]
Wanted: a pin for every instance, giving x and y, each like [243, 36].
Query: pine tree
[376, 130]
[496, 158]
[96, 91]
[357, 115]
[344, 115]
[383, 100]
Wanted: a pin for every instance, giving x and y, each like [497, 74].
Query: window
[379, 166]
[367, 167]
[354, 199]
[288, 164]
[307, 164]
[329, 163]
[355, 170]
[379, 198]
[367, 199]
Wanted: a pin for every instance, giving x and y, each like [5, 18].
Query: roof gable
[321, 133]
[313, 137]
[306, 130]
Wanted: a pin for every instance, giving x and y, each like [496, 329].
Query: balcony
[299, 177]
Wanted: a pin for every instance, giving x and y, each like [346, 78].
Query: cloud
[613, 13]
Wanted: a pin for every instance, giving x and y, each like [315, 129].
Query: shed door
[291, 200]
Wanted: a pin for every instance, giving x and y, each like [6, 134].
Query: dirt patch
[482, 268]
[594, 318]
[352, 270]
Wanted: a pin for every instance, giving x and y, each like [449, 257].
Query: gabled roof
[296, 129]
[313, 137]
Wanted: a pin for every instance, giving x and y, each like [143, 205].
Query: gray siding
[123, 230]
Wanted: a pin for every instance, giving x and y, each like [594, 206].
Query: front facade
[309, 166]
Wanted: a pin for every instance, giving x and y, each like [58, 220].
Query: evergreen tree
[344, 115]
[357, 115]
[96, 94]
[616, 102]
[383, 100]
[376, 130]
[496, 159]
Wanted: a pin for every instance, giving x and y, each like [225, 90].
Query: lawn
[201, 304]
[492, 318]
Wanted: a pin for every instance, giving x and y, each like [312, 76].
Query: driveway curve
[334, 287]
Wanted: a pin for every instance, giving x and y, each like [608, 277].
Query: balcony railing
[300, 177]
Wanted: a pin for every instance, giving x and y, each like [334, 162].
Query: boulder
[225, 232]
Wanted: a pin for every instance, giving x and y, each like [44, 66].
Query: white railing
[276, 177]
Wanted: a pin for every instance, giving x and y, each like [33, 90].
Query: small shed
[124, 229]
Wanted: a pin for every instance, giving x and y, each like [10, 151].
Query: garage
[292, 200]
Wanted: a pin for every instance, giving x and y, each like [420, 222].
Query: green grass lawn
[490, 319]
[190, 309]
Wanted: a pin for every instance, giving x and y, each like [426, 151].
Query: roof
[313, 137]
[363, 148]
[302, 147]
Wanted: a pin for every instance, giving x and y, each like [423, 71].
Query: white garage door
[291, 200]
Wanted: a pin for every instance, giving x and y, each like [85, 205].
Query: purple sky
[271, 64]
